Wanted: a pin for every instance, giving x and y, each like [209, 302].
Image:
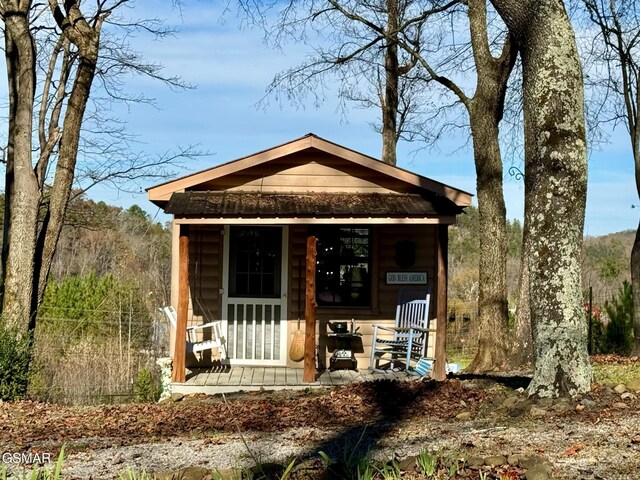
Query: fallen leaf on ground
[571, 451]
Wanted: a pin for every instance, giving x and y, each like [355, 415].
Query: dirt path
[597, 437]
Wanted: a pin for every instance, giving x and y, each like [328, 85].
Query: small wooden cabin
[239, 238]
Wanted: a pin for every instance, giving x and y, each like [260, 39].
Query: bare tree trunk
[30, 240]
[390, 101]
[87, 40]
[485, 113]
[634, 129]
[24, 198]
[492, 299]
[635, 282]
[521, 354]
[555, 163]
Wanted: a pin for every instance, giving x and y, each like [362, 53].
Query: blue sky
[231, 68]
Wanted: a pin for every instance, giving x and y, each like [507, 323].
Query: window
[343, 269]
[254, 263]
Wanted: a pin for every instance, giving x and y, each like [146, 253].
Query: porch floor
[235, 379]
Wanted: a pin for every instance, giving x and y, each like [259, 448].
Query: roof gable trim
[163, 191]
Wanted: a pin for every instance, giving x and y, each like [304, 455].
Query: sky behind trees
[231, 67]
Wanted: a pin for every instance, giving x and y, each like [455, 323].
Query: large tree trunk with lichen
[485, 113]
[555, 163]
[24, 199]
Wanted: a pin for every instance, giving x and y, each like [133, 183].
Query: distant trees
[109, 274]
[618, 44]
[106, 240]
[605, 263]
[464, 257]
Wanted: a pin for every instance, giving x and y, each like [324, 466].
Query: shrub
[147, 387]
[619, 332]
[15, 352]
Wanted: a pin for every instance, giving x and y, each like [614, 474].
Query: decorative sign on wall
[406, 278]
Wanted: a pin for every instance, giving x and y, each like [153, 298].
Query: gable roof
[160, 194]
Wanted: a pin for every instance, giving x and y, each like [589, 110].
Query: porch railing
[254, 331]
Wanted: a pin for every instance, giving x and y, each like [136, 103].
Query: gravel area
[604, 447]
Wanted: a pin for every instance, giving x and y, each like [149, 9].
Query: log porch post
[442, 246]
[310, 307]
[179, 354]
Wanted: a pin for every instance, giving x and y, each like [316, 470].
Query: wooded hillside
[605, 260]
[98, 333]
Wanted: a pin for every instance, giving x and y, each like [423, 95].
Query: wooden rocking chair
[217, 339]
[410, 333]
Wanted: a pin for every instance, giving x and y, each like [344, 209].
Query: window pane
[343, 266]
[254, 263]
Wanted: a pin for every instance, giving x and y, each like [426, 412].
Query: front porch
[234, 379]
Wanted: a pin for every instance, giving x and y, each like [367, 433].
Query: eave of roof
[310, 205]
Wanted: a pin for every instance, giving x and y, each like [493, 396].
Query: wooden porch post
[310, 313]
[442, 245]
[179, 355]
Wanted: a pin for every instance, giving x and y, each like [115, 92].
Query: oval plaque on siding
[405, 253]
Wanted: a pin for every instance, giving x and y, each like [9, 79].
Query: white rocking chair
[410, 335]
[217, 339]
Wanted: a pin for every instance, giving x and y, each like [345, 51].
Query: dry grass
[87, 371]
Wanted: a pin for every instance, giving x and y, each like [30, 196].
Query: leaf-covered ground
[27, 424]
[593, 437]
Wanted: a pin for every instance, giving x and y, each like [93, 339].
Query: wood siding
[308, 172]
[205, 282]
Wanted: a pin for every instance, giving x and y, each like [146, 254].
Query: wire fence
[463, 322]
[111, 362]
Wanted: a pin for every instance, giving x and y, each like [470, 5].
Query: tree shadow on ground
[509, 381]
[394, 402]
